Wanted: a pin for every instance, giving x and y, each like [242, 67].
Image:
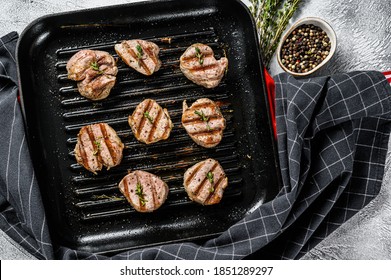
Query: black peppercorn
[307, 46]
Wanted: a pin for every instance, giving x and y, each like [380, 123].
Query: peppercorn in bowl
[306, 46]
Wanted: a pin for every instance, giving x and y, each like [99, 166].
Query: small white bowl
[317, 22]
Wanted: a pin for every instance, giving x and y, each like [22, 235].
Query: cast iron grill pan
[87, 211]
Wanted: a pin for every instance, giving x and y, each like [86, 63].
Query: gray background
[363, 29]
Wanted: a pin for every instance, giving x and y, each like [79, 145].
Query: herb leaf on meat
[95, 66]
[199, 55]
[148, 116]
[140, 193]
[210, 176]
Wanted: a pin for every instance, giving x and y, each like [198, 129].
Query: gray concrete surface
[364, 43]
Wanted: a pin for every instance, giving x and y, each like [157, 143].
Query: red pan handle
[271, 96]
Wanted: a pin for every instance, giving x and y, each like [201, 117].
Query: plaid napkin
[332, 137]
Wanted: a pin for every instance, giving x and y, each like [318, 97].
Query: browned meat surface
[141, 55]
[150, 123]
[98, 145]
[146, 192]
[204, 122]
[205, 182]
[199, 65]
[95, 72]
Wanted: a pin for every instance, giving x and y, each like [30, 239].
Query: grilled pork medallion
[205, 182]
[141, 55]
[146, 192]
[150, 123]
[98, 145]
[95, 72]
[199, 65]
[204, 122]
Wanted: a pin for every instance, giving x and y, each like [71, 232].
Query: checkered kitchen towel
[332, 140]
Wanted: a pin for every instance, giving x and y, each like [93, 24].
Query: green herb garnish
[98, 147]
[146, 115]
[199, 55]
[95, 66]
[203, 118]
[271, 18]
[209, 175]
[140, 51]
[140, 193]
[201, 115]
[139, 54]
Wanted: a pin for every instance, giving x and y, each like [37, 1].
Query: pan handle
[271, 96]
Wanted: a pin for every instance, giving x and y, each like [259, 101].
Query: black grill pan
[86, 211]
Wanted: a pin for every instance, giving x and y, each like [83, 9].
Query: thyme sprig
[271, 18]
[139, 53]
[210, 176]
[98, 146]
[201, 115]
[140, 193]
[148, 116]
[203, 118]
[199, 55]
[95, 66]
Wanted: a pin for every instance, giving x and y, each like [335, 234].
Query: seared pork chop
[205, 182]
[203, 122]
[95, 72]
[146, 192]
[199, 65]
[141, 55]
[150, 123]
[98, 145]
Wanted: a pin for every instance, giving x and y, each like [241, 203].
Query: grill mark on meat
[127, 189]
[210, 132]
[204, 68]
[83, 155]
[155, 124]
[140, 61]
[195, 171]
[150, 54]
[152, 192]
[108, 143]
[93, 141]
[168, 127]
[203, 184]
[197, 120]
[143, 118]
[215, 189]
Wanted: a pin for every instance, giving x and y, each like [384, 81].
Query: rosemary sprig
[271, 18]
[199, 55]
[140, 193]
[148, 116]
